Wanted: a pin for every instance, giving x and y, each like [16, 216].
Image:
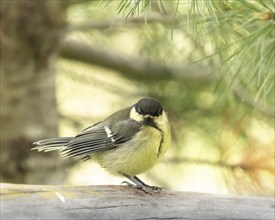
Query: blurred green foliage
[223, 127]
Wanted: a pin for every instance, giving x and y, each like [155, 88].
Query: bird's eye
[139, 110]
[158, 112]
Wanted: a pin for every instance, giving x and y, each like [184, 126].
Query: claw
[146, 189]
[138, 184]
[150, 189]
[128, 184]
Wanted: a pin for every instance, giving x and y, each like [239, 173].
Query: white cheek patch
[109, 133]
[135, 116]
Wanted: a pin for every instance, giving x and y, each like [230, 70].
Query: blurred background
[66, 65]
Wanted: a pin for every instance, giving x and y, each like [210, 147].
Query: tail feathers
[51, 144]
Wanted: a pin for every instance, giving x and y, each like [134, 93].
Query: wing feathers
[51, 144]
[92, 139]
[100, 137]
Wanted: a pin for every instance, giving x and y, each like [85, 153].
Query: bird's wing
[101, 137]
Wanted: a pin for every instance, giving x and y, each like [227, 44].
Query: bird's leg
[141, 185]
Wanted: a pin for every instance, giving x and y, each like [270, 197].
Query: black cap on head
[149, 106]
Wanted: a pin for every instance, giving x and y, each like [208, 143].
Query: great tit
[128, 142]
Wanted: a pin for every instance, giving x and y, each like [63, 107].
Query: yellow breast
[134, 157]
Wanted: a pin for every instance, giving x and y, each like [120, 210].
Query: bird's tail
[52, 144]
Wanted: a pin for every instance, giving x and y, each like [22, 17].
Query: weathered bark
[123, 202]
[28, 105]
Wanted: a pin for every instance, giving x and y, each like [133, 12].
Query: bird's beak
[149, 121]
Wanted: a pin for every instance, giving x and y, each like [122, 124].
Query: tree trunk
[28, 103]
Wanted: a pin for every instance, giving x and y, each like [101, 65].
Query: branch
[116, 22]
[131, 67]
[250, 100]
[123, 202]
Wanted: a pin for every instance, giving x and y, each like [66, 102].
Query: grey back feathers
[102, 136]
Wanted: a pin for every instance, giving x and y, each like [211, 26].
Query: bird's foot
[145, 188]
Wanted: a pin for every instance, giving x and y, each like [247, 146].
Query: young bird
[128, 142]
